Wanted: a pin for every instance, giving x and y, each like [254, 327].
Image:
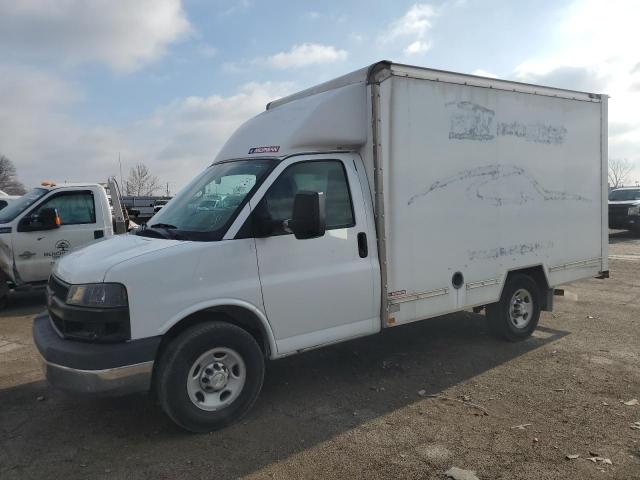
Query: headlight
[634, 210]
[106, 295]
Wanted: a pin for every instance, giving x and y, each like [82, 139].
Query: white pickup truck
[389, 195]
[46, 223]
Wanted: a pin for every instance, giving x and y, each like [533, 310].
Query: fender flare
[225, 302]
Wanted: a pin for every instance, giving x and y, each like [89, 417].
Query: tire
[231, 361]
[509, 321]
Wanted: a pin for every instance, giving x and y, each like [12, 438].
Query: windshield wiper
[163, 225]
[160, 230]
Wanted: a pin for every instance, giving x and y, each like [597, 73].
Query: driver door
[35, 252]
[319, 290]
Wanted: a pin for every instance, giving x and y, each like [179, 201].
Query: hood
[91, 263]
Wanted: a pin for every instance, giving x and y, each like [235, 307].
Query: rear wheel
[210, 376]
[516, 315]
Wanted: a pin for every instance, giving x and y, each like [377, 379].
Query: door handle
[363, 248]
[98, 234]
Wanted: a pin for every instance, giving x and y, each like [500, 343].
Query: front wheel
[516, 315]
[209, 376]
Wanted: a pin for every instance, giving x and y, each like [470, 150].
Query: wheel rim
[521, 308]
[216, 379]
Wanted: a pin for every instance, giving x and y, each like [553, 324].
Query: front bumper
[619, 217]
[625, 223]
[92, 368]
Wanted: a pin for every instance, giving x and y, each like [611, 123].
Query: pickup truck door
[320, 290]
[35, 252]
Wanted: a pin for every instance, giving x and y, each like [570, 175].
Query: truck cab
[45, 224]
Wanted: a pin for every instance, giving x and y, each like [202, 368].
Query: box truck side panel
[479, 182]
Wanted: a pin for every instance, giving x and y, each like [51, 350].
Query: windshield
[205, 207]
[19, 205]
[622, 195]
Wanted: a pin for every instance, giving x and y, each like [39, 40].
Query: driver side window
[328, 177]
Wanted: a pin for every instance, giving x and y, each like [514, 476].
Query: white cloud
[415, 23]
[39, 132]
[180, 139]
[596, 50]
[194, 128]
[417, 47]
[483, 73]
[298, 56]
[123, 34]
[413, 27]
[304, 55]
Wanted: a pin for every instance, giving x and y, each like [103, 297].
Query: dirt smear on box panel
[470, 121]
[509, 251]
[489, 178]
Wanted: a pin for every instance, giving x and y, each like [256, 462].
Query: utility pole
[167, 189]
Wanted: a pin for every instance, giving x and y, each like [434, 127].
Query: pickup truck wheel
[209, 376]
[516, 315]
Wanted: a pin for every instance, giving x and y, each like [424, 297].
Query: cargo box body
[481, 177]
[470, 177]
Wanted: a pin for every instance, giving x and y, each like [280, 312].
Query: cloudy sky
[165, 82]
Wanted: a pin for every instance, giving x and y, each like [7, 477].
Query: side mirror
[47, 219]
[309, 218]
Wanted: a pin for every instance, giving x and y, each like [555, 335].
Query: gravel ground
[409, 403]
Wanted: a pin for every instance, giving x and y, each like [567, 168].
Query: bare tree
[141, 182]
[619, 171]
[9, 182]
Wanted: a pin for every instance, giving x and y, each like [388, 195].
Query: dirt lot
[354, 410]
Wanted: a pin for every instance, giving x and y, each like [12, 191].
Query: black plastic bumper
[113, 368]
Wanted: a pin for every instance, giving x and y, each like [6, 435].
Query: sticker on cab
[270, 149]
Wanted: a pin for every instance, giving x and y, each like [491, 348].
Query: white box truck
[386, 196]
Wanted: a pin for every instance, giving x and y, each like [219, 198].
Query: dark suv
[624, 208]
